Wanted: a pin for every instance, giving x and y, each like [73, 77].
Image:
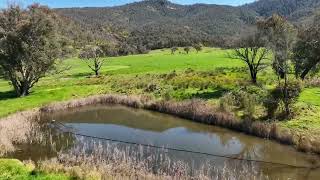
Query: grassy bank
[14, 169]
[207, 75]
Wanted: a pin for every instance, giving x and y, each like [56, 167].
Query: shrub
[241, 99]
[151, 87]
[171, 75]
[271, 104]
[247, 102]
[166, 92]
[189, 71]
[276, 98]
[227, 102]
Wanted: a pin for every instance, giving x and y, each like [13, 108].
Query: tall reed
[100, 160]
[19, 128]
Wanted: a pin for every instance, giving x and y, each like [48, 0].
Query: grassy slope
[55, 88]
[309, 115]
[14, 169]
[159, 61]
[122, 71]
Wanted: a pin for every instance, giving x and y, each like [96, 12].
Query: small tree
[197, 47]
[28, 45]
[281, 37]
[187, 49]
[93, 56]
[307, 50]
[173, 50]
[251, 50]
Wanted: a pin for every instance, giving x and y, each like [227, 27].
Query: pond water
[152, 128]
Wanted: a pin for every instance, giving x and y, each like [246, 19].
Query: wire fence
[182, 150]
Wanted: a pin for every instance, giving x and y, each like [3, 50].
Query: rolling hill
[160, 23]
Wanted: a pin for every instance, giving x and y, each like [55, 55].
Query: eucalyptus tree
[28, 45]
[307, 49]
[281, 36]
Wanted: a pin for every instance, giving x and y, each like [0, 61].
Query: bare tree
[28, 45]
[252, 51]
[93, 56]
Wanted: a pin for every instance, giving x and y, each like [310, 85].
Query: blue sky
[102, 3]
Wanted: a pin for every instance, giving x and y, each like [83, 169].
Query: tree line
[291, 51]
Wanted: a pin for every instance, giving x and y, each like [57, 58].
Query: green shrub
[276, 98]
[241, 99]
[226, 102]
[171, 75]
[271, 104]
[151, 87]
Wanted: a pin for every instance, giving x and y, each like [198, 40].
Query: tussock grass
[108, 161]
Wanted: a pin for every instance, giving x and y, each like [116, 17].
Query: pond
[156, 129]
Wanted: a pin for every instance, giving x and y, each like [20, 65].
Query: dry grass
[109, 161]
[314, 82]
[19, 128]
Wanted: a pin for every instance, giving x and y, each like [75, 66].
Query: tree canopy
[307, 49]
[28, 45]
[281, 36]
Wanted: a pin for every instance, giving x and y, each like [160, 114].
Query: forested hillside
[295, 10]
[160, 23]
[153, 24]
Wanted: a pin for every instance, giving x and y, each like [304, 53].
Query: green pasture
[207, 75]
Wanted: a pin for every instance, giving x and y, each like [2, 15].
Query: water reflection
[140, 126]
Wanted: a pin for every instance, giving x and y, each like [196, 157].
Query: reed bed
[99, 160]
[19, 128]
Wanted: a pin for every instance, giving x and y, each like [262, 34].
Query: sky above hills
[103, 3]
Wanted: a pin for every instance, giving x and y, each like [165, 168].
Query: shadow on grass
[210, 95]
[80, 75]
[7, 95]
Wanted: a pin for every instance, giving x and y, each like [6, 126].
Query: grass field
[74, 82]
[159, 61]
[14, 169]
[207, 75]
